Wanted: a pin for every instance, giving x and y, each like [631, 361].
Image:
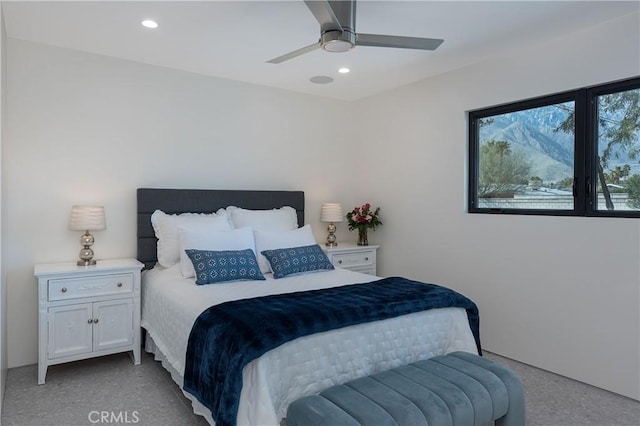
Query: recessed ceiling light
[321, 79]
[344, 70]
[149, 23]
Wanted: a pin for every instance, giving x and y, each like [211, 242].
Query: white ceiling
[233, 39]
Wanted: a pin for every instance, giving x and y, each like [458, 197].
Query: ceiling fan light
[338, 41]
[337, 46]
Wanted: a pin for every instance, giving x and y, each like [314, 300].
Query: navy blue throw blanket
[228, 336]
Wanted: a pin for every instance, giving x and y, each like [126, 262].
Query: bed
[171, 304]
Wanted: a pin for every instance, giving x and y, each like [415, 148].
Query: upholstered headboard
[176, 201]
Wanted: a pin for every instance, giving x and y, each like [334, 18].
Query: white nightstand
[87, 311]
[353, 257]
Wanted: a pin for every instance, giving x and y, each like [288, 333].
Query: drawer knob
[90, 321]
[340, 262]
[63, 289]
[366, 258]
[119, 284]
[95, 321]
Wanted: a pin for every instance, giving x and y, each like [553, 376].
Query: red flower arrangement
[363, 218]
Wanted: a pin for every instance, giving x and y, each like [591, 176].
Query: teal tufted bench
[459, 389]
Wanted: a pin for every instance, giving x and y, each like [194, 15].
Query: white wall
[555, 292]
[3, 281]
[91, 129]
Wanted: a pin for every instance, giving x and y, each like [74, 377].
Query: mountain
[533, 132]
[550, 151]
[550, 161]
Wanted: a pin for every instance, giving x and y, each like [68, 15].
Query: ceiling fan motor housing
[340, 41]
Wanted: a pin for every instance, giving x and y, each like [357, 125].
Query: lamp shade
[87, 218]
[332, 212]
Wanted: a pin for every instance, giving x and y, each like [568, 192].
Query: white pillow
[276, 220]
[266, 240]
[193, 238]
[166, 229]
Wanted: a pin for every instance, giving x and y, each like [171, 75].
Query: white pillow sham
[266, 240]
[166, 226]
[215, 240]
[275, 220]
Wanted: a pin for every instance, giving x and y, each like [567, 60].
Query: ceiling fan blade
[295, 53]
[324, 14]
[398, 41]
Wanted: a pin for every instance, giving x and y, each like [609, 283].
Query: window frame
[585, 149]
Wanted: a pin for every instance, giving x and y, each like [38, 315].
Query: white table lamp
[332, 213]
[87, 218]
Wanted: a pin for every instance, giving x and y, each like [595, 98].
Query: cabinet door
[70, 330]
[112, 324]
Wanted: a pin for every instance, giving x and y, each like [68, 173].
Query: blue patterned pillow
[228, 265]
[297, 260]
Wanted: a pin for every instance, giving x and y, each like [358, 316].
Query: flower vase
[363, 240]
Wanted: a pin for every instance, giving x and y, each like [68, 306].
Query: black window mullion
[583, 183]
[473, 162]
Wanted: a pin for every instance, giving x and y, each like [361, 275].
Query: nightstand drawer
[99, 285]
[352, 260]
[369, 270]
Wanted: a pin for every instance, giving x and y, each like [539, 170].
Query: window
[572, 153]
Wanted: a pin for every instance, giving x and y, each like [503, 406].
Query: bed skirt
[198, 408]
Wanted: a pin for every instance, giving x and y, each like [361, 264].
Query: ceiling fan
[338, 32]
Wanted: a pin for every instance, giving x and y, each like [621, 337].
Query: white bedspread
[171, 304]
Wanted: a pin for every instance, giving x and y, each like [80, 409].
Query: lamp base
[331, 238]
[86, 254]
